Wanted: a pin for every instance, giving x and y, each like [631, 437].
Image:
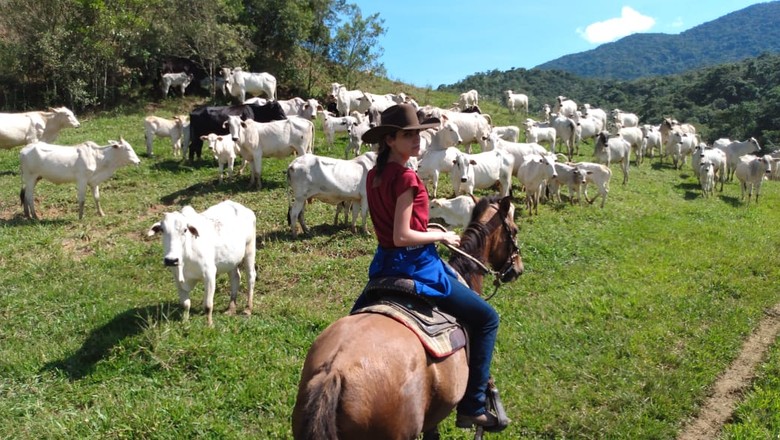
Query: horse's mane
[474, 237]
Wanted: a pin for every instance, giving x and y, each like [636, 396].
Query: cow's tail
[318, 418]
[288, 174]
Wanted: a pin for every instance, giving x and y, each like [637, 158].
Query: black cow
[206, 119]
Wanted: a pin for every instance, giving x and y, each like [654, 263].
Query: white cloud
[678, 22]
[629, 22]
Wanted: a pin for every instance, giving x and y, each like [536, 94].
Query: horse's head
[491, 238]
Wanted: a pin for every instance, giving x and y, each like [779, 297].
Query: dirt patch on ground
[729, 389]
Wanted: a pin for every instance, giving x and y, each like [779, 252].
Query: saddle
[397, 298]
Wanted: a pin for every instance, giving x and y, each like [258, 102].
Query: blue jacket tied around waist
[419, 263]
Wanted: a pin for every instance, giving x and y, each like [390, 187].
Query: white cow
[669, 125]
[651, 140]
[270, 139]
[468, 99]
[533, 174]
[439, 153]
[598, 175]
[482, 171]
[509, 133]
[155, 126]
[225, 152]
[565, 106]
[715, 156]
[680, 146]
[566, 130]
[179, 80]
[330, 180]
[198, 247]
[17, 129]
[613, 149]
[304, 108]
[596, 113]
[588, 127]
[625, 119]
[751, 172]
[516, 101]
[347, 101]
[518, 150]
[455, 212]
[636, 138]
[737, 149]
[472, 127]
[86, 164]
[238, 83]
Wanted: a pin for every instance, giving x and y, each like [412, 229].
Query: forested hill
[742, 34]
[735, 100]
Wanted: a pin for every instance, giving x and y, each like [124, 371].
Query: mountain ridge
[741, 34]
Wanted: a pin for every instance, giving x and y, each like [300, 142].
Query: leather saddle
[397, 298]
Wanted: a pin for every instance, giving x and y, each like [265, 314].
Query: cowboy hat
[397, 117]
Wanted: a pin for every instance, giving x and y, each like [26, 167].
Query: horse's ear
[506, 203]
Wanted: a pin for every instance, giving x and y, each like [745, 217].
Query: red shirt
[396, 179]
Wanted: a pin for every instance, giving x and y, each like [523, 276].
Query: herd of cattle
[198, 246]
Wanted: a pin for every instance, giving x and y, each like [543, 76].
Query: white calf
[86, 164]
[569, 176]
[439, 153]
[180, 80]
[455, 212]
[625, 119]
[715, 156]
[538, 134]
[598, 175]
[706, 173]
[225, 152]
[333, 124]
[155, 126]
[355, 132]
[198, 247]
[651, 140]
[509, 133]
[518, 150]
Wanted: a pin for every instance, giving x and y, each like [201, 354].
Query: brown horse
[368, 377]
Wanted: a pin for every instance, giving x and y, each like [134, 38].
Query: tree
[355, 45]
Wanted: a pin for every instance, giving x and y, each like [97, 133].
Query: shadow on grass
[102, 339]
[184, 196]
[20, 220]
[8, 173]
[325, 229]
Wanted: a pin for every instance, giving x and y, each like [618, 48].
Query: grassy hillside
[623, 319]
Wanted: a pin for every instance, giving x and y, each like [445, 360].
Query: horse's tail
[319, 412]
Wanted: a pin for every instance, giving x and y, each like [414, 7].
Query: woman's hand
[451, 238]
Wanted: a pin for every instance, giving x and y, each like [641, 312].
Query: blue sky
[433, 42]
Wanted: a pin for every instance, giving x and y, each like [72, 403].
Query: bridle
[508, 265]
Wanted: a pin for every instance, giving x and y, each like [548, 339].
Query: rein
[497, 275]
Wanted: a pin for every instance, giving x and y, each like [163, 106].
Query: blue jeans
[481, 321]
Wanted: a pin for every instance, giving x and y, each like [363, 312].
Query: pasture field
[624, 317]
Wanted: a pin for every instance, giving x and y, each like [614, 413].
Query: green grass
[624, 316]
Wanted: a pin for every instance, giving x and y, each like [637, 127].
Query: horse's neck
[474, 277]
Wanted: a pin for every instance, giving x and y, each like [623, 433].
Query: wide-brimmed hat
[397, 117]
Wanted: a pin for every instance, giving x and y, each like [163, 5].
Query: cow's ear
[157, 227]
[203, 138]
[224, 124]
[243, 124]
[473, 162]
[193, 230]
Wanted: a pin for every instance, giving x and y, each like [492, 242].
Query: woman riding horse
[392, 389]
